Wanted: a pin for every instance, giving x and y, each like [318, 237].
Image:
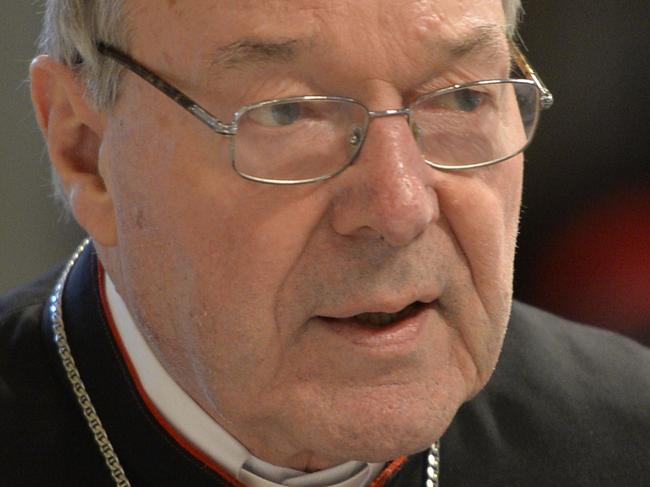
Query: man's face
[250, 294]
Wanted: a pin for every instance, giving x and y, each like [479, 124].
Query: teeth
[383, 319]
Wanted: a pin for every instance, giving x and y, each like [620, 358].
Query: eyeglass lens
[295, 140]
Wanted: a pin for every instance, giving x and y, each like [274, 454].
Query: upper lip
[386, 305]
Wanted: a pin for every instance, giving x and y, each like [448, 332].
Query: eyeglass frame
[230, 129]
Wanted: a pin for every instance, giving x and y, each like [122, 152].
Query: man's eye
[279, 115]
[465, 100]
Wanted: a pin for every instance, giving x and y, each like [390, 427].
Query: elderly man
[302, 219]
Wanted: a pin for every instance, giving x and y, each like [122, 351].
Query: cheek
[198, 245]
[205, 276]
[482, 208]
[232, 281]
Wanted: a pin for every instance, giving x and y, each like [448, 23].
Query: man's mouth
[379, 329]
[381, 319]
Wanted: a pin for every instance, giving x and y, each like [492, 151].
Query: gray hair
[514, 11]
[72, 27]
[70, 30]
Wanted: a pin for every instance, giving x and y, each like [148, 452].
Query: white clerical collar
[187, 417]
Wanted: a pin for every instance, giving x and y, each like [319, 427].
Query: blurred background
[584, 248]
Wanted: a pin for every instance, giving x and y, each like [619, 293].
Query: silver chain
[83, 398]
[433, 459]
[92, 418]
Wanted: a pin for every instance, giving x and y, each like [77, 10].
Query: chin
[384, 444]
[380, 425]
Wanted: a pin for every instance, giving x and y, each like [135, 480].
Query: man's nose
[389, 191]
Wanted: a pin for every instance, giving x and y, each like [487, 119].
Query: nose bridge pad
[360, 132]
[415, 130]
[356, 137]
[355, 142]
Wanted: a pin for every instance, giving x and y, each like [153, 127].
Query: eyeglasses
[306, 139]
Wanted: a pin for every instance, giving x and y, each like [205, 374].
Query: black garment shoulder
[43, 437]
[568, 405]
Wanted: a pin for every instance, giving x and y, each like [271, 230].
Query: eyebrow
[253, 50]
[490, 38]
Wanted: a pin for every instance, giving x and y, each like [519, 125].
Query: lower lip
[400, 333]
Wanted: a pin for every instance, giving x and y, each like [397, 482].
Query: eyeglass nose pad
[416, 131]
[355, 141]
[355, 138]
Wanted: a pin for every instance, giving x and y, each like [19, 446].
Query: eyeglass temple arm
[546, 100]
[172, 92]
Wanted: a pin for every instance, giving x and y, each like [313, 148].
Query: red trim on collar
[388, 472]
[175, 434]
[384, 476]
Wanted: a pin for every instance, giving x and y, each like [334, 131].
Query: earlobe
[73, 131]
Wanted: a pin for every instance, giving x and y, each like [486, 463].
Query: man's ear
[73, 131]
